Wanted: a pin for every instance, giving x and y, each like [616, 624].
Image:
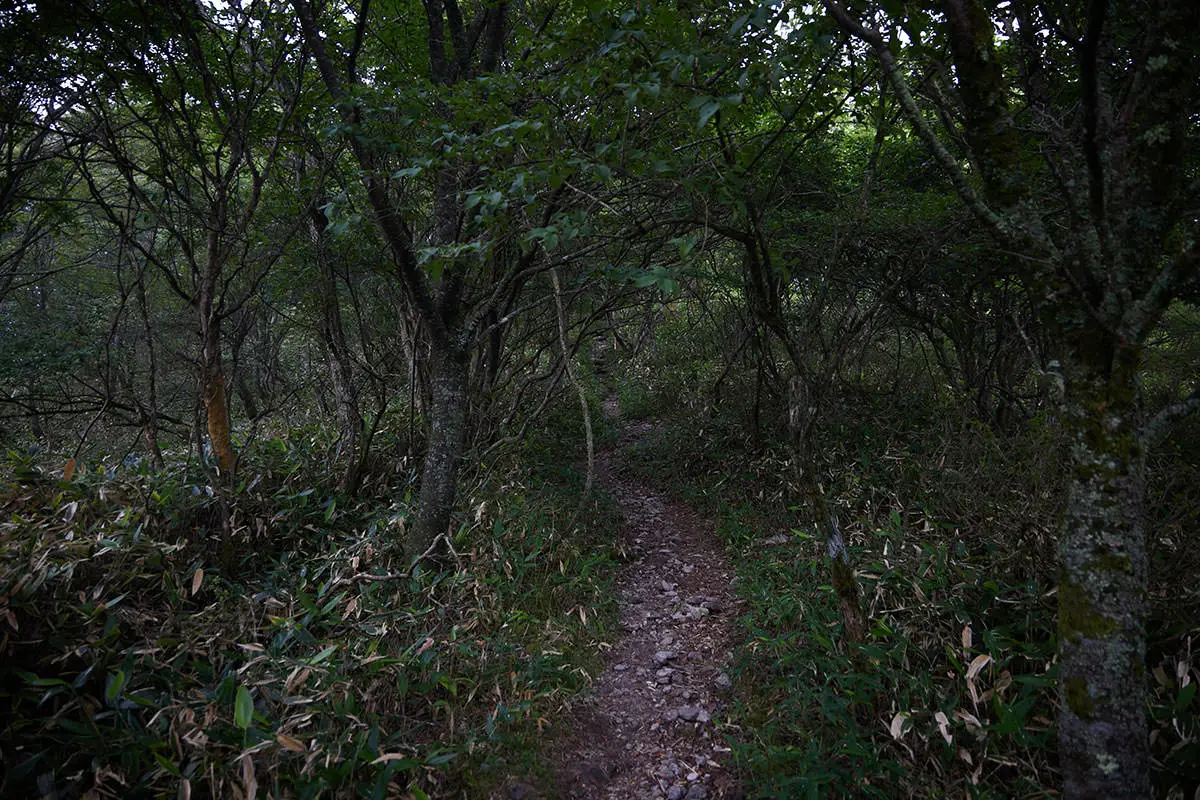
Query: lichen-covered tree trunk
[1103, 580]
[216, 411]
[447, 432]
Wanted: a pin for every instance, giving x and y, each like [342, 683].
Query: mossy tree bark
[1103, 576]
[447, 434]
[212, 377]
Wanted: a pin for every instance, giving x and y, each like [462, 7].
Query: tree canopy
[356, 284]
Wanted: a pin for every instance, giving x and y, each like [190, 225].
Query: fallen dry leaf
[943, 723]
[383, 759]
[290, 743]
[979, 662]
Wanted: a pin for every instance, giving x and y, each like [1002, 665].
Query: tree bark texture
[447, 434]
[1106, 276]
[212, 379]
[1103, 738]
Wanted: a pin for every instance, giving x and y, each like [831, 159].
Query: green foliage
[737, 211]
[960, 591]
[138, 657]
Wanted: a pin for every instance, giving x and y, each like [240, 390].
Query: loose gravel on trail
[649, 726]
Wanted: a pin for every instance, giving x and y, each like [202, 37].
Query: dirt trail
[645, 730]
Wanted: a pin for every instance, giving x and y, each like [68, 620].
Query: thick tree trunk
[1103, 740]
[216, 410]
[447, 430]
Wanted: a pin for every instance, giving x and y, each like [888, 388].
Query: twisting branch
[1158, 425]
[395, 231]
[573, 377]
[993, 221]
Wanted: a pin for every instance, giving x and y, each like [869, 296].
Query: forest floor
[648, 728]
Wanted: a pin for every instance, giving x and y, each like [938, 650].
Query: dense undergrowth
[144, 655]
[951, 527]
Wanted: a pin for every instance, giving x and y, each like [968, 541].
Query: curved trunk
[447, 432]
[1103, 740]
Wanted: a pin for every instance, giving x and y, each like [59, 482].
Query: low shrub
[145, 653]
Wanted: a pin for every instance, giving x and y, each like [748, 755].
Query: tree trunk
[216, 410]
[1103, 579]
[350, 420]
[845, 584]
[150, 436]
[241, 388]
[150, 414]
[212, 380]
[803, 404]
[349, 415]
[447, 430]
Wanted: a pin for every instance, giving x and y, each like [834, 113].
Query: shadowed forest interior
[361, 361]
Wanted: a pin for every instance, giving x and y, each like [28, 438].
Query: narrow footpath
[648, 728]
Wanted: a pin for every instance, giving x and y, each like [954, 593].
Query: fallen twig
[396, 576]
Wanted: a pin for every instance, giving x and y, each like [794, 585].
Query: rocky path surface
[647, 728]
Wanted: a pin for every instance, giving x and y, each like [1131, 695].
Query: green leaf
[243, 708]
[42, 682]
[706, 113]
[167, 765]
[1186, 696]
[321, 656]
[115, 684]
